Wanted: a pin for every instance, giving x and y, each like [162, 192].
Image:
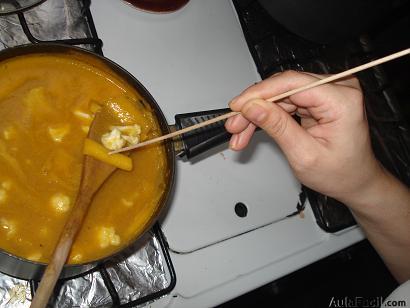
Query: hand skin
[331, 153]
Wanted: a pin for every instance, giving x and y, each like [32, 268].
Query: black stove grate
[274, 49]
[96, 43]
[93, 40]
[115, 298]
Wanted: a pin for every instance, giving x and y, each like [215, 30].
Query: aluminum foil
[138, 271]
[14, 293]
[51, 20]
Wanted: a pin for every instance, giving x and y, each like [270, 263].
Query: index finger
[284, 82]
[324, 101]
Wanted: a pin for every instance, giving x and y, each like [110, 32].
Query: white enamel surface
[191, 64]
[197, 59]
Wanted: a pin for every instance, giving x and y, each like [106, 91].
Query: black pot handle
[204, 138]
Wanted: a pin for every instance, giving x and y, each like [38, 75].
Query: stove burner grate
[92, 41]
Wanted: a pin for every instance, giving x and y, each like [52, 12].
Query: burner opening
[241, 210]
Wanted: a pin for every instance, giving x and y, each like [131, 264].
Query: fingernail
[256, 113]
[234, 142]
[229, 122]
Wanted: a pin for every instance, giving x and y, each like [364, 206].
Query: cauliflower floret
[7, 226]
[131, 139]
[107, 237]
[126, 202]
[7, 185]
[9, 133]
[58, 132]
[113, 140]
[60, 202]
[130, 130]
[119, 136]
[77, 258]
[3, 195]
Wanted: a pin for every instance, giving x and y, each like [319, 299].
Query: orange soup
[47, 102]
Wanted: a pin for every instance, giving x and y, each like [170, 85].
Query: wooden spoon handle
[61, 251]
[93, 175]
[51, 274]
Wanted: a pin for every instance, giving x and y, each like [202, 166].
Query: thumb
[296, 143]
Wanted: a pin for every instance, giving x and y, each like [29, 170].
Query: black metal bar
[173, 278]
[33, 287]
[18, 7]
[91, 25]
[150, 297]
[94, 40]
[110, 286]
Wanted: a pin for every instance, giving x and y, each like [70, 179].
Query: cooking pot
[188, 145]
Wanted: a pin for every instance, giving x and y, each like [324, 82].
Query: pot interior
[46, 100]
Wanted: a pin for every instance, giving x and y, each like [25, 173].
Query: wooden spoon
[94, 174]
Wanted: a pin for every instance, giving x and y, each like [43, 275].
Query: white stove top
[190, 64]
[197, 59]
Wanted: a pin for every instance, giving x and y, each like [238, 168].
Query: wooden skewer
[272, 99]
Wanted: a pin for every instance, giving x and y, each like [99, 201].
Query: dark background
[356, 271]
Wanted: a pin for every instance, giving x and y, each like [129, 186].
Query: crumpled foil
[137, 272]
[14, 293]
[51, 20]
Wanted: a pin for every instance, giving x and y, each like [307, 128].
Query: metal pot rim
[56, 48]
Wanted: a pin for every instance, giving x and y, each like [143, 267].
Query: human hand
[330, 151]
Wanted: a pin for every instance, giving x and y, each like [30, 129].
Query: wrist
[370, 193]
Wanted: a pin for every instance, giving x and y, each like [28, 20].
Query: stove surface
[190, 64]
